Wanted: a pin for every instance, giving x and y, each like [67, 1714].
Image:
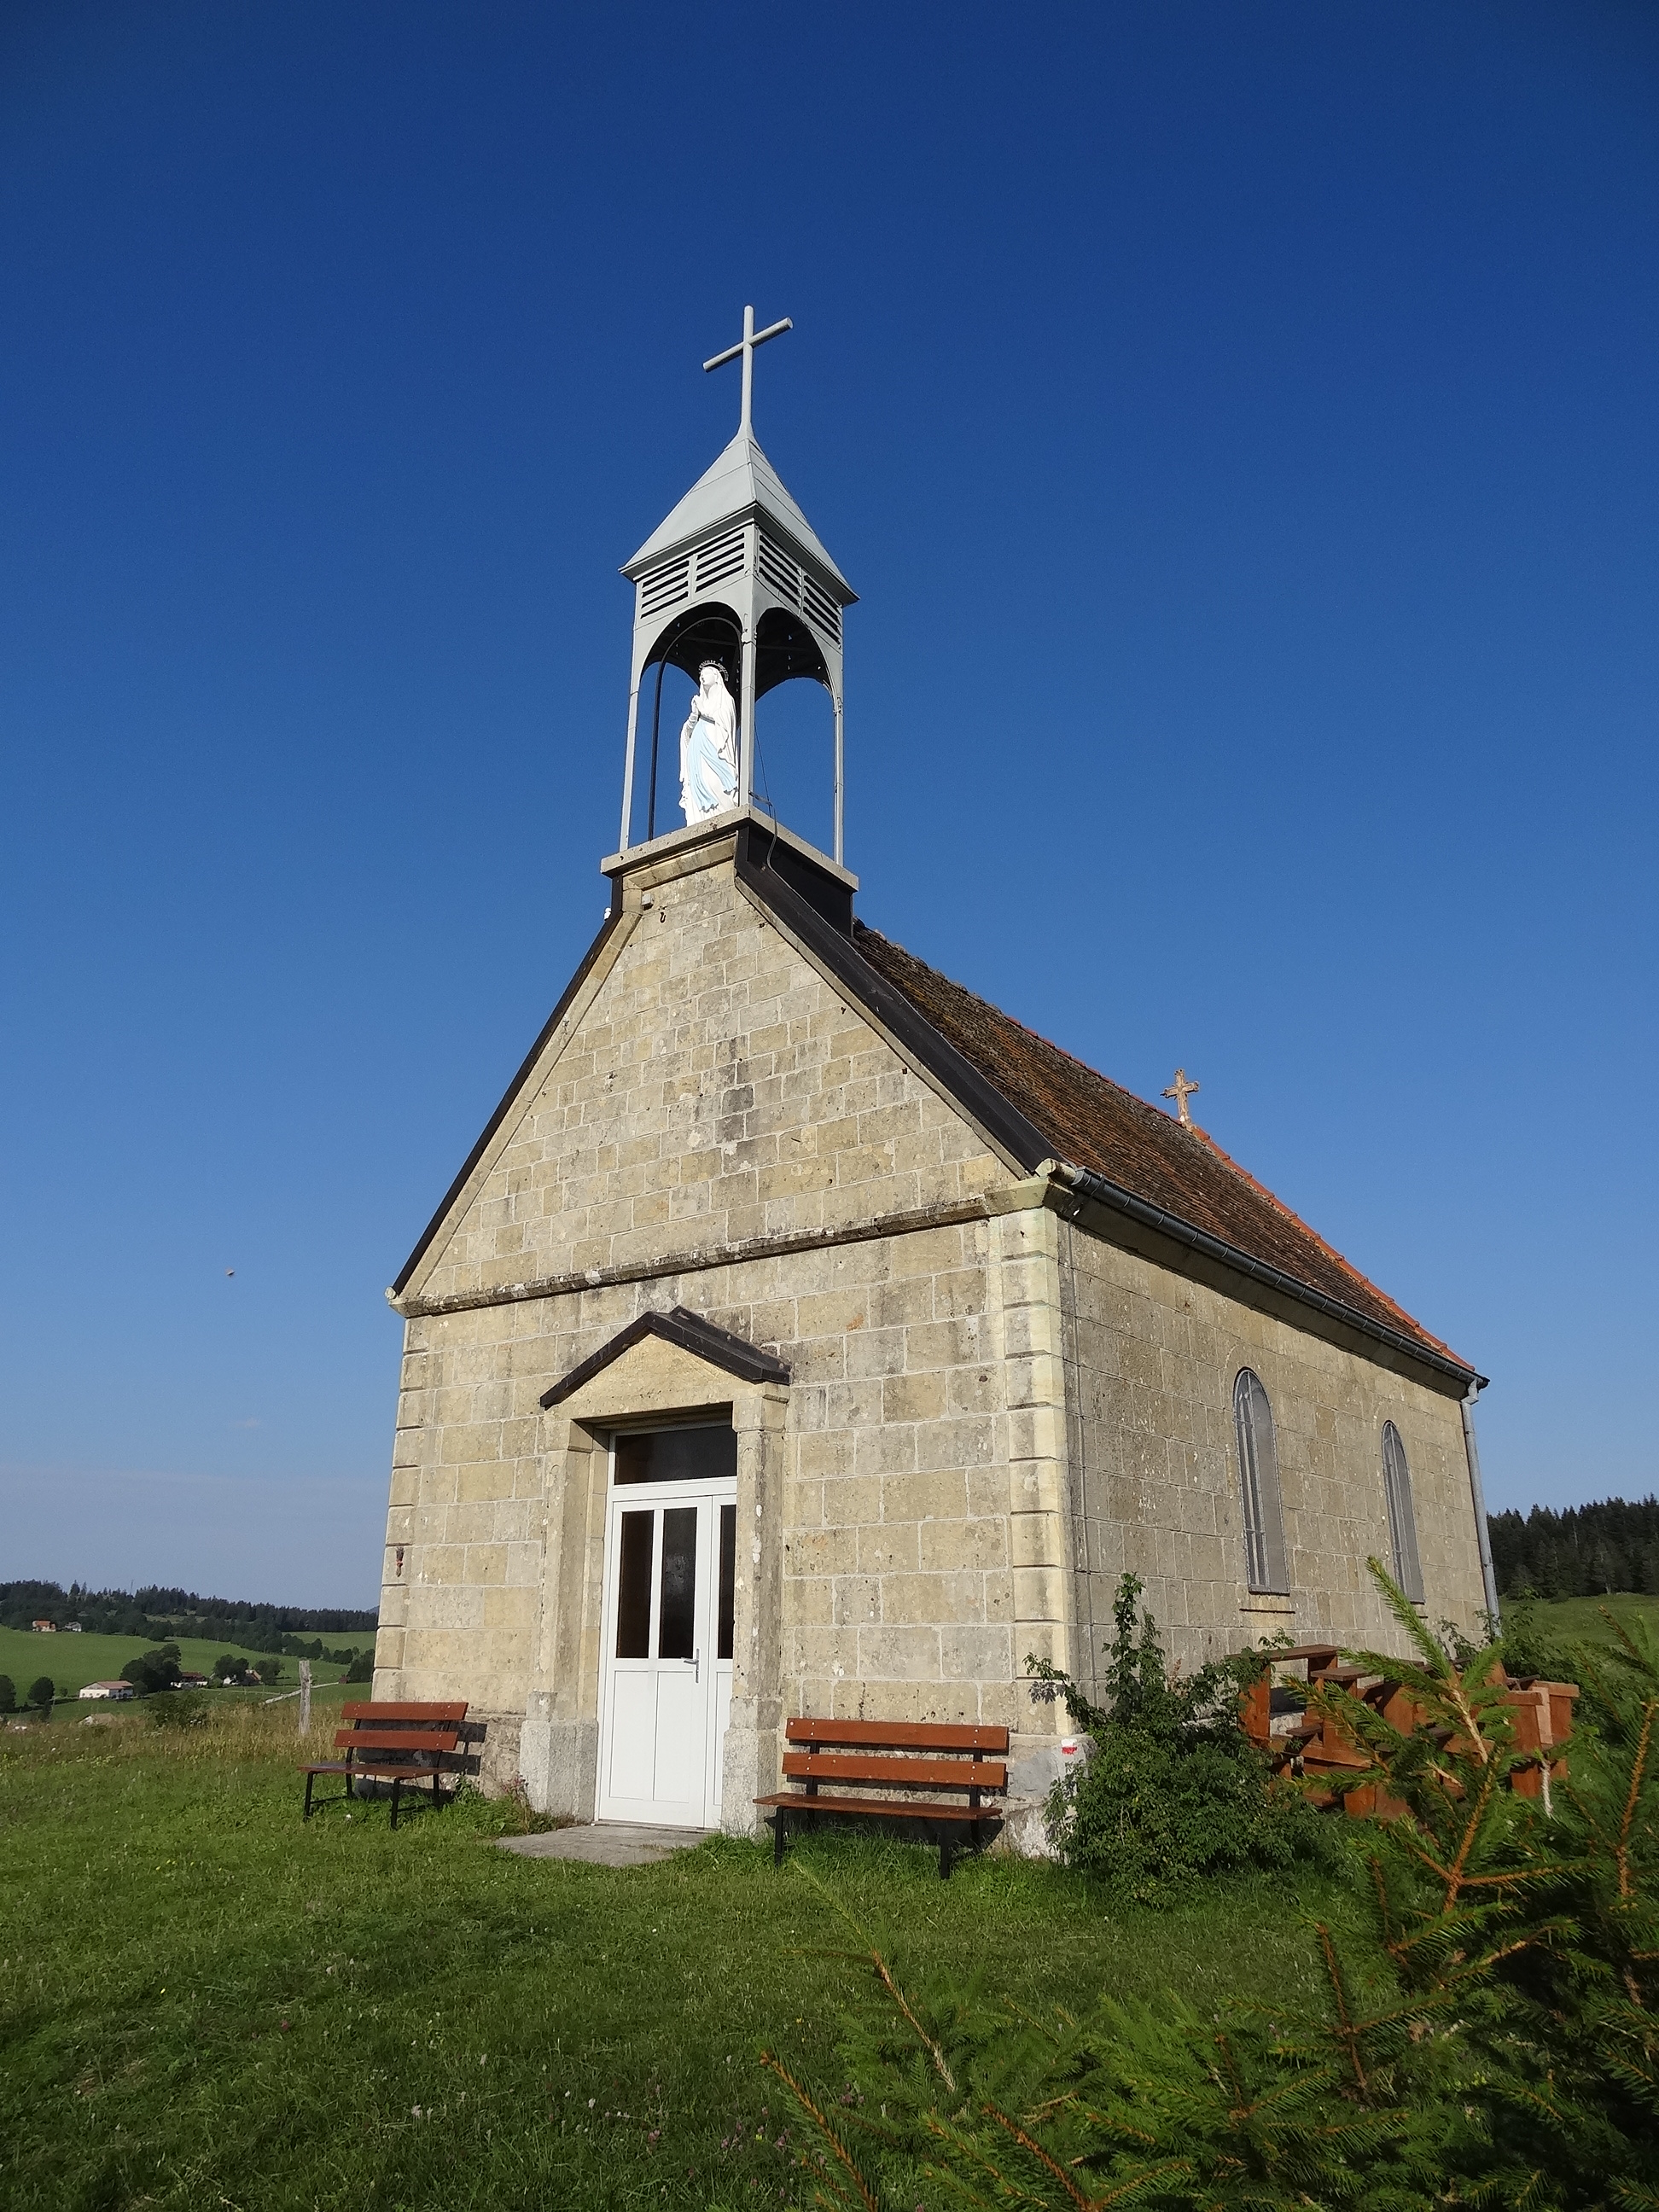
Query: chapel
[805, 1336]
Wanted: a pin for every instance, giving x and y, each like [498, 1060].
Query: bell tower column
[840, 861]
[627, 768]
[746, 716]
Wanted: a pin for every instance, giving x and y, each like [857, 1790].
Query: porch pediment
[686, 1332]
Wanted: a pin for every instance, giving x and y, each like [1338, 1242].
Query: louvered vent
[665, 586]
[778, 570]
[723, 558]
[821, 608]
[790, 582]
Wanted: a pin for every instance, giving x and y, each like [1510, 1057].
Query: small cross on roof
[1181, 1090]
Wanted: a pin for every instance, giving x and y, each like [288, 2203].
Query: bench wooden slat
[374, 1739]
[898, 1736]
[454, 1710]
[373, 1769]
[889, 1808]
[923, 1773]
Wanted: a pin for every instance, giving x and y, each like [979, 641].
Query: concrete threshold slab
[607, 1843]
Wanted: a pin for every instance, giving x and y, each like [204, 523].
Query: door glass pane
[634, 1587]
[677, 1615]
[707, 1454]
[728, 1578]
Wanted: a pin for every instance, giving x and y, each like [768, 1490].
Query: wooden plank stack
[1316, 1746]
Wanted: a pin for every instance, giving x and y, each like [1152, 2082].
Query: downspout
[1483, 1534]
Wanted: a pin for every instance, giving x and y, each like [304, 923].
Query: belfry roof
[741, 481]
[1086, 1119]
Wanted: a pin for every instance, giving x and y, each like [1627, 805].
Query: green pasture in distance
[1584, 1619]
[73, 1660]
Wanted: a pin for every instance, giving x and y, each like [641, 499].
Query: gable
[704, 1084]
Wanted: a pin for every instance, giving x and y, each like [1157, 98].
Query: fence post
[305, 1697]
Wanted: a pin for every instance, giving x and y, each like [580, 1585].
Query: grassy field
[1582, 1619]
[204, 2002]
[73, 1660]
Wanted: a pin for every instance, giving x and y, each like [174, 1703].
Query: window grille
[1258, 1467]
[1402, 1521]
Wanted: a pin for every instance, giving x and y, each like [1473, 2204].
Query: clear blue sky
[1240, 426]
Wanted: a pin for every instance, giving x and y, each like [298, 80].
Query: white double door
[670, 1557]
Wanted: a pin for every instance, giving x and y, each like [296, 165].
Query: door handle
[695, 1663]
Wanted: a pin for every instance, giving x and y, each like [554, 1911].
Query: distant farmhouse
[116, 1692]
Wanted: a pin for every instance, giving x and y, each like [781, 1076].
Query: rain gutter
[1119, 1200]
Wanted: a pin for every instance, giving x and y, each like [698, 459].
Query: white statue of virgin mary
[709, 747]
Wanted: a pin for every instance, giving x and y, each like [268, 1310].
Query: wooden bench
[396, 1743]
[890, 1756]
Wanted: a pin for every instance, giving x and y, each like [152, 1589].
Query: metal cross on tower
[1181, 1090]
[751, 337]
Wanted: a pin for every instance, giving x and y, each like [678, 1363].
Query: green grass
[1584, 1619]
[203, 2002]
[73, 1660]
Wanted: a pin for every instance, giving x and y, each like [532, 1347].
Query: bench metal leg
[397, 1794]
[779, 1836]
[944, 1858]
[310, 1778]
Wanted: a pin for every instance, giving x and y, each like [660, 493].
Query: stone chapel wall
[988, 1418]
[899, 1597]
[1152, 1357]
[714, 1089]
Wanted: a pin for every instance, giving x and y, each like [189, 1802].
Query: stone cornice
[701, 1257]
[1087, 1201]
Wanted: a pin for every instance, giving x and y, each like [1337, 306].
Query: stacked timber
[1319, 1746]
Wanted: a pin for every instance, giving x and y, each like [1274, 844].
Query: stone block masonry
[993, 1408]
[1152, 1357]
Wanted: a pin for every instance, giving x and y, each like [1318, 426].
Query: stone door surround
[662, 1368]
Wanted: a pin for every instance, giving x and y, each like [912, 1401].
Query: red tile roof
[1094, 1123]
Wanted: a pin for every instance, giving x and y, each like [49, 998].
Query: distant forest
[156, 1613]
[1587, 1551]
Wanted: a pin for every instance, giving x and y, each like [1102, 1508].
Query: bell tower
[735, 577]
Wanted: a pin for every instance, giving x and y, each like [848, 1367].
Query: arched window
[1402, 1522]
[1258, 1469]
